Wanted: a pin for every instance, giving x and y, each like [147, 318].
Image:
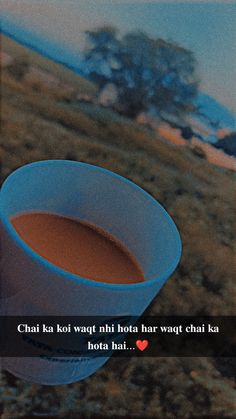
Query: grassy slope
[200, 199]
[64, 74]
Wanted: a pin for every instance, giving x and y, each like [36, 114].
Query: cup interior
[102, 198]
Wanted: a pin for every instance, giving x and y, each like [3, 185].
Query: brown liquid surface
[78, 247]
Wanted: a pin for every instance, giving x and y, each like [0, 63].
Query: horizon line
[78, 70]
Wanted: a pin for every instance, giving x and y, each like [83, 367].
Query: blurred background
[145, 89]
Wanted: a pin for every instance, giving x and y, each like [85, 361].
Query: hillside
[36, 125]
[35, 59]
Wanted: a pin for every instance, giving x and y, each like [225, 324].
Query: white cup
[32, 286]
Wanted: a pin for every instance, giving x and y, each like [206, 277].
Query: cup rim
[69, 275]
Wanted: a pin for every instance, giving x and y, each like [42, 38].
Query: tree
[228, 144]
[147, 72]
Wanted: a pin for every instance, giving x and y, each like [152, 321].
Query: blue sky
[206, 27]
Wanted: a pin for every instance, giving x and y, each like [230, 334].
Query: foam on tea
[78, 247]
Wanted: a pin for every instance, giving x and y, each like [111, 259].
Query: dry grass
[37, 60]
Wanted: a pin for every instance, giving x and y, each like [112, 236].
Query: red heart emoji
[142, 344]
